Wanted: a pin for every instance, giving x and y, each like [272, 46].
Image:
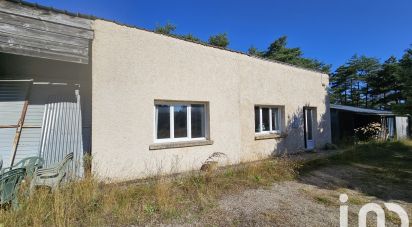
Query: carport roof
[360, 110]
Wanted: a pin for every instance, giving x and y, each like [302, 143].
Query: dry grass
[189, 198]
[161, 200]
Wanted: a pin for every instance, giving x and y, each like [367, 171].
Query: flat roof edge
[361, 110]
[92, 17]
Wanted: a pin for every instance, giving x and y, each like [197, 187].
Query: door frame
[305, 132]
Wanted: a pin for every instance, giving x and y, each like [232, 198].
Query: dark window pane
[275, 119]
[198, 120]
[309, 123]
[180, 121]
[257, 116]
[163, 121]
[265, 119]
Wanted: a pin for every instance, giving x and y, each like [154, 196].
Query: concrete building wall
[268, 83]
[132, 68]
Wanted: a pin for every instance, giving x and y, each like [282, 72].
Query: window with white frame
[267, 119]
[180, 121]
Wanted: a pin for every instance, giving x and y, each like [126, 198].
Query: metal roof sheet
[361, 110]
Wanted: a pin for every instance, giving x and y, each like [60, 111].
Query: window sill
[269, 136]
[170, 145]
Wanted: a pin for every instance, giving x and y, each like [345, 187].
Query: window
[180, 122]
[267, 119]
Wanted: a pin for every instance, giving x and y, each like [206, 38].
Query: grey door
[309, 118]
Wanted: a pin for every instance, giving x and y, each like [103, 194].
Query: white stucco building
[146, 103]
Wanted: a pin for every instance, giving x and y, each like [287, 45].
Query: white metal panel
[34, 115]
[402, 127]
[28, 143]
[52, 127]
[62, 131]
[6, 144]
[12, 96]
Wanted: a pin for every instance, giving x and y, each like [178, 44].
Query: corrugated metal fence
[62, 131]
[52, 124]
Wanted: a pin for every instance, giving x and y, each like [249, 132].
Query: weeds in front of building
[184, 198]
[161, 199]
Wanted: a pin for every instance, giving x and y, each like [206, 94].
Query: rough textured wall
[268, 83]
[132, 68]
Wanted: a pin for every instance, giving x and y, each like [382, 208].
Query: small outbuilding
[345, 119]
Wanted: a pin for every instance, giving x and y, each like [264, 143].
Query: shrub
[370, 132]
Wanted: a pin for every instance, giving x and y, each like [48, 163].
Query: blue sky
[328, 30]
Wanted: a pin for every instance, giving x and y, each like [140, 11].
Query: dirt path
[313, 200]
[284, 204]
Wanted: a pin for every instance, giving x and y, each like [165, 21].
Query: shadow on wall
[294, 142]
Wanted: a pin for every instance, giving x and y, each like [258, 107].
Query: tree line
[219, 40]
[362, 81]
[366, 82]
[277, 50]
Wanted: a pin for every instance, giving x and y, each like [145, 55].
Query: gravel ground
[284, 204]
[313, 200]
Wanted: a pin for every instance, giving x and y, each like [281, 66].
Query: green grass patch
[324, 200]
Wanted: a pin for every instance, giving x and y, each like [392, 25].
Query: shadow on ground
[382, 170]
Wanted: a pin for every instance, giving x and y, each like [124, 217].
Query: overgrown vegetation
[369, 172]
[369, 132]
[389, 155]
[219, 40]
[186, 198]
[387, 167]
[161, 200]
